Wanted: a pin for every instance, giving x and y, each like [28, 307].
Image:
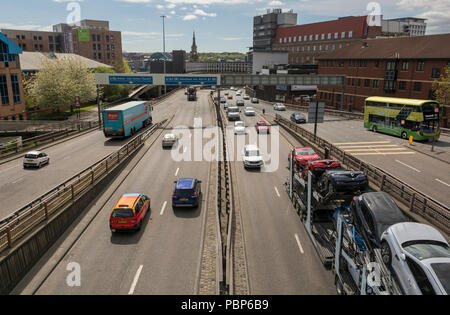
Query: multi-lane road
[165, 257]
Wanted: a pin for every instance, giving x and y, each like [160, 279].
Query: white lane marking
[278, 193]
[176, 173]
[408, 166]
[9, 168]
[163, 208]
[17, 180]
[299, 244]
[135, 281]
[442, 182]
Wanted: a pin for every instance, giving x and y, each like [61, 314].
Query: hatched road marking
[373, 148]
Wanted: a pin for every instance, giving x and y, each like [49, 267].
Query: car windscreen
[184, 192]
[427, 249]
[122, 214]
[262, 124]
[252, 153]
[31, 156]
[442, 271]
[233, 110]
[304, 152]
[239, 124]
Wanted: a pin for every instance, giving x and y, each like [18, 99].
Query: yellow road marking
[368, 142]
[369, 146]
[393, 149]
[387, 153]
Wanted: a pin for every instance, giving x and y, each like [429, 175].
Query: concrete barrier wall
[17, 261]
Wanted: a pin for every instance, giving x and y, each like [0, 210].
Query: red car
[230, 97]
[129, 213]
[262, 127]
[303, 156]
[318, 167]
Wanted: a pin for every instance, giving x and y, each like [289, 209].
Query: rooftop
[416, 47]
[33, 61]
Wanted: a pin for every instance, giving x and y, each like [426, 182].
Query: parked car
[343, 182]
[187, 193]
[240, 103]
[279, 107]
[262, 127]
[239, 128]
[255, 100]
[252, 157]
[129, 212]
[419, 256]
[169, 140]
[35, 159]
[303, 155]
[298, 118]
[249, 111]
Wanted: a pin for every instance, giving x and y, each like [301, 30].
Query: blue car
[187, 193]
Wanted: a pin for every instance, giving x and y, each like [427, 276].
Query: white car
[249, 111]
[419, 256]
[238, 94]
[239, 128]
[279, 107]
[255, 100]
[246, 97]
[35, 159]
[169, 140]
[252, 157]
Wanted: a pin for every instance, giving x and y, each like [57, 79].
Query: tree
[441, 88]
[60, 81]
[123, 67]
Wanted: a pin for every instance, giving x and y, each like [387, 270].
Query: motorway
[19, 186]
[424, 173]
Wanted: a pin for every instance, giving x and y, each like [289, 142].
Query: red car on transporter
[302, 156]
[262, 127]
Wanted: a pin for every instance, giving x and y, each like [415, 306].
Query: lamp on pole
[164, 48]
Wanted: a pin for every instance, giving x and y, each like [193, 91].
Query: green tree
[123, 67]
[109, 92]
[60, 81]
[441, 88]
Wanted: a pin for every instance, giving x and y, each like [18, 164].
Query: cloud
[189, 17]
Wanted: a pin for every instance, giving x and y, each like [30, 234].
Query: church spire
[194, 53]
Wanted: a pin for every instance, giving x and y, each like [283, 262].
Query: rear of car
[262, 127]
[239, 128]
[187, 193]
[35, 159]
[255, 100]
[129, 212]
[169, 141]
[240, 103]
[250, 111]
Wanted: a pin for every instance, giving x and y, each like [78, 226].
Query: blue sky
[220, 25]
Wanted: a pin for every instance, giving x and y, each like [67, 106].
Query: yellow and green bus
[403, 117]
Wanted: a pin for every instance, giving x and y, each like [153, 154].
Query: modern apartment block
[408, 26]
[403, 67]
[12, 103]
[92, 39]
[265, 27]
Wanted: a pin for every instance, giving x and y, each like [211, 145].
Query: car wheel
[386, 253]
[374, 129]
[404, 135]
[139, 226]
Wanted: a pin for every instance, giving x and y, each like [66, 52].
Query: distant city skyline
[220, 25]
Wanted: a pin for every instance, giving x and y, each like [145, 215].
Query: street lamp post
[164, 48]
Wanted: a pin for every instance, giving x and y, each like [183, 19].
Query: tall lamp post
[164, 48]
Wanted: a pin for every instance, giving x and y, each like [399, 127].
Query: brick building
[403, 67]
[92, 39]
[305, 43]
[12, 104]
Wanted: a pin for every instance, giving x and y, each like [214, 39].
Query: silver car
[249, 111]
[35, 159]
[252, 157]
[419, 256]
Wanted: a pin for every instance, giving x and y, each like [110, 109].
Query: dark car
[343, 182]
[373, 213]
[319, 167]
[187, 193]
[298, 118]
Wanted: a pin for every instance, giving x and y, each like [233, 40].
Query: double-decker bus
[403, 117]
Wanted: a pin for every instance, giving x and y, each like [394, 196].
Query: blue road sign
[134, 80]
[191, 80]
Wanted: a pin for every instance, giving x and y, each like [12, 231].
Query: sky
[220, 25]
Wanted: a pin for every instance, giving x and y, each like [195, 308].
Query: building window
[290, 39]
[317, 36]
[390, 66]
[333, 47]
[359, 82]
[405, 66]
[95, 56]
[300, 38]
[35, 37]
[93, 38]
[343, 35]
[40, 37]
[417, 86]
[329, 35]
[326, 47]
[36, 47]
[94, 46]
[98, 38]
[402, 85]
[336, 35]
[350, 34]
[377, 63]
[41, 48]
[420, 65]
[99, 47]
[305, 38]
[4, 90]
[341, 63]
[349, 82]
[107, 38]
[23, 36]
[366, 83]
[322, 37]
[50, 39]
[281, 40]
[376, 84]
[436, 73]
[295, 39]
[99, 56]
[15, 88]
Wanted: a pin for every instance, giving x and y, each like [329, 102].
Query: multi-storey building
[305, 43]
[265, 27]
[403, 67]
[12, 104]
[409, 26]
[91, 39]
